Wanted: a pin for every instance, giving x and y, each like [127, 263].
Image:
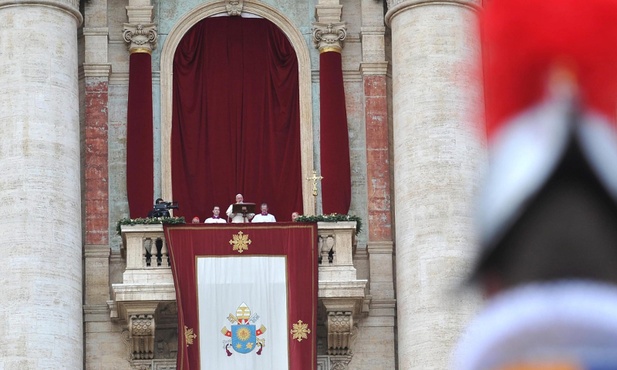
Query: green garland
[334, 217]
[149, 221]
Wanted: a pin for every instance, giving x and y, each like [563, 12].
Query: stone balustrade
[147, 285]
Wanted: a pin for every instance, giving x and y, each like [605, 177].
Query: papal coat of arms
[244, 333]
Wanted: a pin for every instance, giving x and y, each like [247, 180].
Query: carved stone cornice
[140, 37]
[329, 37]
[234, 7]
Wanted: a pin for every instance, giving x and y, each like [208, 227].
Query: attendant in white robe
[264, 216]
[215, 219]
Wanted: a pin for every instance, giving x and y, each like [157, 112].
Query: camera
[161, 209]
[166, 206]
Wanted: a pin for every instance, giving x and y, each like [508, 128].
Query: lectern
[244, 209]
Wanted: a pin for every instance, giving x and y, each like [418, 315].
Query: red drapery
[297, 242]
[334, 139]
[236, 121]
[139, 147]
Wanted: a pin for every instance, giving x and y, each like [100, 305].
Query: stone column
[141, 36]
[437, 153]
[41, 277]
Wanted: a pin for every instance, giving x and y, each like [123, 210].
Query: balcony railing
[147, 283]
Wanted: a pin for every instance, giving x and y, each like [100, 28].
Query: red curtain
[139, 147]
[236, 121]
[334, 139]
[296, 241]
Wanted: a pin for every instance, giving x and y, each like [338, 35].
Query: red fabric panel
[236, 120]
[296, 241]
[334, 139]
[139, 147]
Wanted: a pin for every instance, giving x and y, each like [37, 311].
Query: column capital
[140, 37]
[329, 36]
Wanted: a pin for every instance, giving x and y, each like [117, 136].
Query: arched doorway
[239, 183]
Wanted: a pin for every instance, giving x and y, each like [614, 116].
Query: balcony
[147, 287]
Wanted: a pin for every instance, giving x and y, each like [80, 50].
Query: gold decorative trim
[189, 336]
[140, 50]
[240, 242]
[328, 49]
[300, 331]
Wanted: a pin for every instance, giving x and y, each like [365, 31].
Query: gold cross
[315, 178]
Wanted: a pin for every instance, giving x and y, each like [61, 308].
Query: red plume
[524, 39]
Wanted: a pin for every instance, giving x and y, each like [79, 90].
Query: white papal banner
[246, 295]
[242, 304]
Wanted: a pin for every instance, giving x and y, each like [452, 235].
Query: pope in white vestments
[238, 218]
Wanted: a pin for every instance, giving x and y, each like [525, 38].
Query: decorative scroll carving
[234, 7]
[141, 37]
[329, 37]
[340, 325]
[141, 330]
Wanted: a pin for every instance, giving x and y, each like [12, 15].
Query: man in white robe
[215, 219]
[238, 218]
[264, 216]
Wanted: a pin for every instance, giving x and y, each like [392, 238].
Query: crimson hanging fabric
[236, 120]
[139, 146]
[334, 139]
[246, 295]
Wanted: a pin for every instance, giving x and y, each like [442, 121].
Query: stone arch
[304, 76]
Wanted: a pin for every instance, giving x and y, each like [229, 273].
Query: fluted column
[437, 154]
[41, 279]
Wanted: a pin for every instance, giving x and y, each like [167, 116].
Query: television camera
[166, 206]
[161, 209]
